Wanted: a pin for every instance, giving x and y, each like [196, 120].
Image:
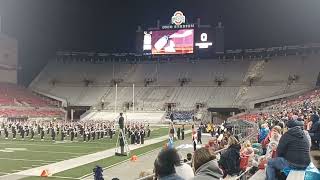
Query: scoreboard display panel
[177, 41]
[204, 38]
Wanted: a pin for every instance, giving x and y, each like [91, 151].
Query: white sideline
[82, 160]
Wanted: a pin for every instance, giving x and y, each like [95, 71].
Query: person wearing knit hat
[291, 143]
[294, 123]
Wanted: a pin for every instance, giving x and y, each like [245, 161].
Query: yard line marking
[31, 160]
[55, 145]
[62, 177]
[5, 173]
[60, 159]
[58, 152]
[25, 167]
[16, 170]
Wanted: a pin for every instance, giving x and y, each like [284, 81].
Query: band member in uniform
[93, 133]
[27, 131]
[22, 132]
[138, 136]
[42, 133]
[89, 134]
[14, 132]
[63, 134]
[98, 133]
[72, 134]
[53, 134]
[102, 132]
[132, 136]
[143, 134]
[58, 130]
[84, 135]
[6, 133]
[178, 133]
[32, 133]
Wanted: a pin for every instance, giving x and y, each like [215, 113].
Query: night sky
[44, 26]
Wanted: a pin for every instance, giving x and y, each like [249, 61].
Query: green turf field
[17, 155]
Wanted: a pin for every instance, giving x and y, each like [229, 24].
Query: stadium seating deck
[20, 102]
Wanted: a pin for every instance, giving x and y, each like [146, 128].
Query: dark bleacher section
[181, 115]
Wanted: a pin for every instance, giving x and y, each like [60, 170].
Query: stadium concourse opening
[177, 90]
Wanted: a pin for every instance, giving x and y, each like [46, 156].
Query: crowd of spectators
[286, 136]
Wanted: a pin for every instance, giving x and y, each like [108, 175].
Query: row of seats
[30, 113]
[67, 80]
[11, 94]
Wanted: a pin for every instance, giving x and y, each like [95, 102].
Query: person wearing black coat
[178, 133]
[293, 151]
[182, 132]
[314, 132]
[199, 136]
[230, 159]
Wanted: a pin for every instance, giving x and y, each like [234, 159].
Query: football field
[18, 155]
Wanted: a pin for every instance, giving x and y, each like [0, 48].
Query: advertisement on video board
[179, 41]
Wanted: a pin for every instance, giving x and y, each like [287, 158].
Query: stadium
[178, 93]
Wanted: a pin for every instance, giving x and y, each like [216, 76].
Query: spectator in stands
[230, 160]
[263, 133]
[247, 149]
[214, 145]
[164, 165]
[184, 170]
[292, 152]
[189, 159]
[273, 141]
[205, 165]
[274, 135]
[315, 132]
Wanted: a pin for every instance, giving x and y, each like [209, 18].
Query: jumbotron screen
[179, 41]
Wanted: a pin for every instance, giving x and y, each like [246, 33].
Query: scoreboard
[179, 41]
[180, 38]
